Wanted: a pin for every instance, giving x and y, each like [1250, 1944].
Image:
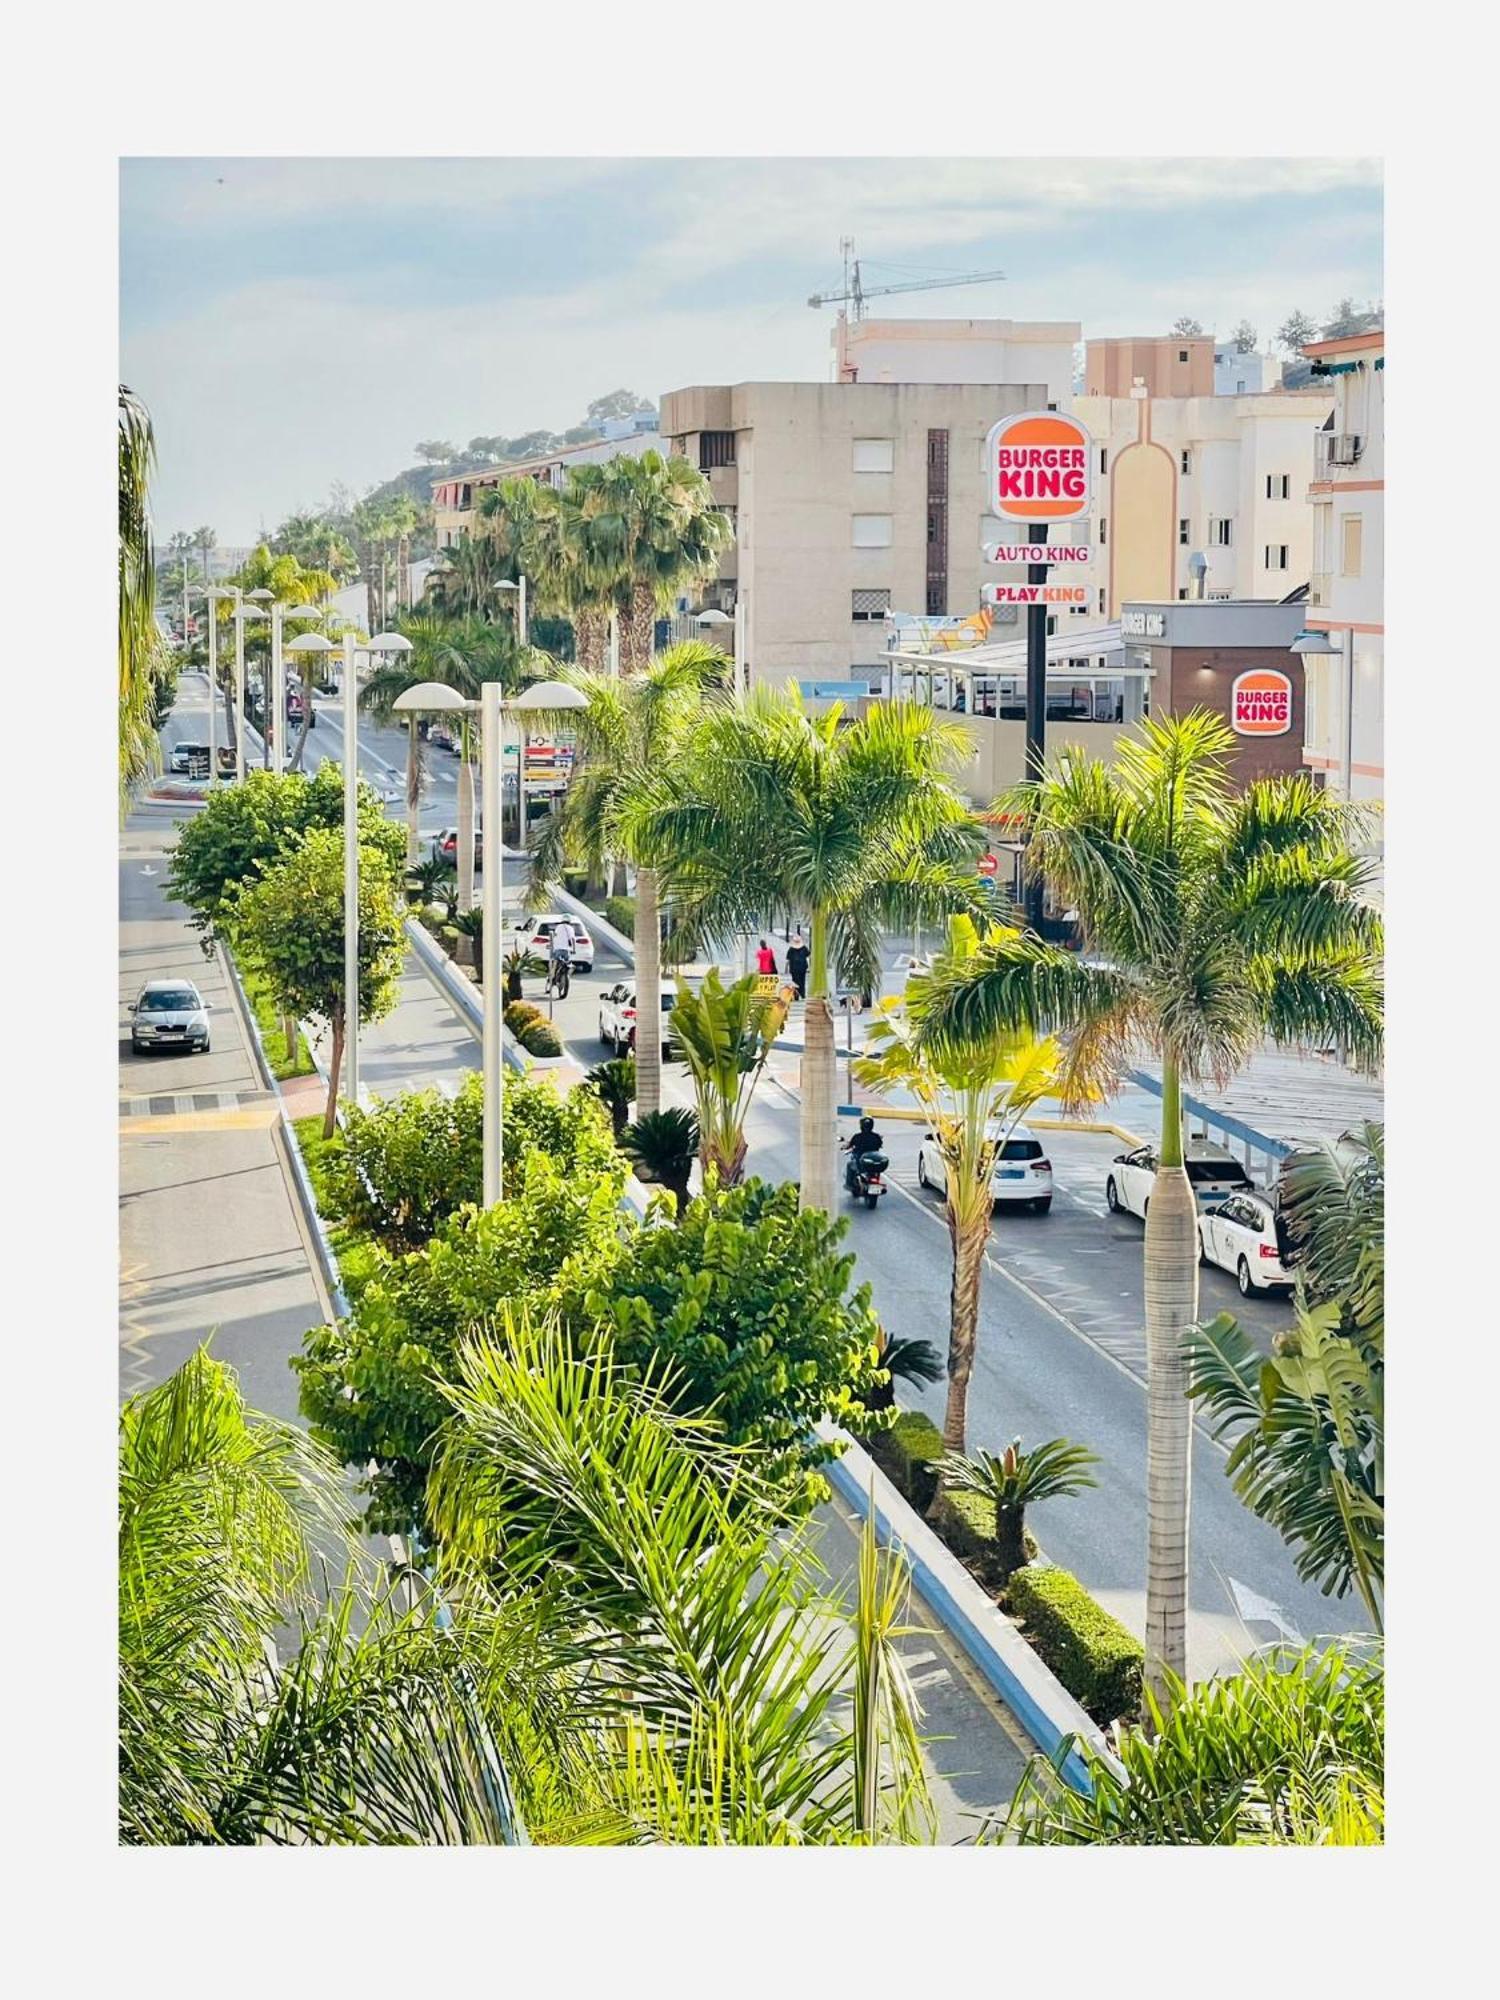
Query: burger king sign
[1039, 466]
[1260, 703]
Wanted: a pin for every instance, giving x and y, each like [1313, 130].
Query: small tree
[1296, 330]
[725, 1034]
[613, 1083]
[291, 927]
[1012, 1479]
[1244, 338]
[665, 1144]
[1187, 328]
[901, 1360]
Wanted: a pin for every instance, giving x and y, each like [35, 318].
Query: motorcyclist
[865, 1140]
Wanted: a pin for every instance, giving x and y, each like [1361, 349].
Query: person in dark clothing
[796, 965]
[865, 1140]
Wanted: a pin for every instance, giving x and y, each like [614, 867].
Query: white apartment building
[1346, 690]
[455, 496]
[1004, 351]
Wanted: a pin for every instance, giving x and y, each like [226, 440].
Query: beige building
[957, 350]
[1166, 364]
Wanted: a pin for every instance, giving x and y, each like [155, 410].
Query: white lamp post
[519, 587]
[243, 609]
[1315, 640]
[435, 696]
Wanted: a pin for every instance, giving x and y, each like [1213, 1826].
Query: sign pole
[1036, 703]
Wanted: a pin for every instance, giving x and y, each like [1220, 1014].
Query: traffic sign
[988, 864]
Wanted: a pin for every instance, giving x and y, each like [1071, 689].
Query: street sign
[1025, 552]
[1036, 593]
[988, 864]
[1260, 703]
[1038, 468]
[832, 690]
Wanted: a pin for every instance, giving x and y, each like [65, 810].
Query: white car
[190, 759]
[1023, 1173]
[1245, 1235]
[169, 1014]
[1214, 1176]
[617, 1019]
[538, 932]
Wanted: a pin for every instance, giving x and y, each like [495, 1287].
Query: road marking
[929, 1680]
[247, 1119]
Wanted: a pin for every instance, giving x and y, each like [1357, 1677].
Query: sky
[295, 322]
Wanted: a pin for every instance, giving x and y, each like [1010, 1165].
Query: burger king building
[1232, 657]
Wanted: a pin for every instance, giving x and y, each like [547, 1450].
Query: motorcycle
[864, 1177]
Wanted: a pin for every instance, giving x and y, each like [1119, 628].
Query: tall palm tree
[1212, 918]
[140, 641]
[974, 1094]
[855, 824]
[628, 732]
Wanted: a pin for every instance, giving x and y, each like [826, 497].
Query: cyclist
[560, 952]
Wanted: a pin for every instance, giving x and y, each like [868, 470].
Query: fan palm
[140, 641]
[1219, 917]
[614, 1084]
[1012, 1479]
[627, 732]
[651, 530]
[975, 1093]
[777, 808]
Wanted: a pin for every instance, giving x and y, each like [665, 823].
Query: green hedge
[966, 1522]
[520, 1015]
[1095, 1658]
[620, 911]
[540, 1038]
[908, 1453]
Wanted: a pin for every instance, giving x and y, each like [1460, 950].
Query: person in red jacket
[765, 958]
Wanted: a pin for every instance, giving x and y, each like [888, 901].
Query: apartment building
[1240, 374]
[1344, 738]
[1167, 364]
[455, 498]
[958, 350]
[850, 499]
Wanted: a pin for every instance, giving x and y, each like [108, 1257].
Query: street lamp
[519, 586]
[717, 618]
[214, 598]
[1314, 640]
[279, 611]
[243, 609]
[436, 696]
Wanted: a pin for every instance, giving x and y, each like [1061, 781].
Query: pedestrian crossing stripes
[177, 1104]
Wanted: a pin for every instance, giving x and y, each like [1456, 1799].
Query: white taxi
[1245, 1236]
[1023, 1173]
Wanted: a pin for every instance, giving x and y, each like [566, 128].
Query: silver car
[169, 1014]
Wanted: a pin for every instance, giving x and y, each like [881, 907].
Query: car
[538, 933]
[1247, 1236]
[190, 758]
[1023, 1173]
[617, 1019]
[1213, 1174]
[445, 846]
[169, 1014]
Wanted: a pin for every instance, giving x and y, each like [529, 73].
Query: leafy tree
[1213, 917]
[1011, 1480]
[491, 449]
[435, 451]
[618, 403]
[726, 1035]
[417, 1308]
[663, 1145]
[858, 823]
[1285, 1753]
[290, 926]
[1244, 338]
[140, 642]
[749, 1301]
[318, 543]
[1348, 318]
[1187, 328]
[1296, 330]
[975, 1093]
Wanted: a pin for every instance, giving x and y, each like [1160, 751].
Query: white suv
[1023, 1173]
[1245, 1235]
[538, 930]
[1213, 1174]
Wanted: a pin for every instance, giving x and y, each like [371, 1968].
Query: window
[1103, 461]
[869, 605]
[1103, 531]
[1278, 486]
[874, 454]
[1103, 603]
[1353, 545]
[715, 448]
[1183, 528]
[1182, 596]
[872, 531]
[1182, 354]
[1239, 388]
[1187, 463]
[1276, 555]
[1221, 533]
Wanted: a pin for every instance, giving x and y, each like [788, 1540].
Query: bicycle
[559, 978]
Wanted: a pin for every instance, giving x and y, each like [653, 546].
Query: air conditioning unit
[1345, 450]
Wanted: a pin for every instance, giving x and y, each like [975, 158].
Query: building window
[1182, 595]
[1278, 486]
[869, 605]
[874, 454]
[1183, 528]
[1353, 545]
[1187, 463]
[1182, 354]
[715, 448]
[1103, 461]
[936, 598]
[1221, 534]
[1276, 555]
[1103, 603]
[1103, 531]
[872, 531]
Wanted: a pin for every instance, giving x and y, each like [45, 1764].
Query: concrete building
[1168, 364]
[1237, 374]
[957, 350]
[1233, 658]
[1345, 738]
[454, 499]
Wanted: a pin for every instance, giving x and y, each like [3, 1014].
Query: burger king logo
[1039, 467]
[1260, 703]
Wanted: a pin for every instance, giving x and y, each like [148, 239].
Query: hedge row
[620, 911]
[907, 1454]
[1096, 1659]
[519, 1015]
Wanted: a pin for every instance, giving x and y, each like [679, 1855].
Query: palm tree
[854, 823]
[1012, 1479]
[627, 733]
[140, 641]
[665, 1144]
[974, 1094]
[394, 675]
[902, 1360]
[725, 1035]
[613, 1083]
[1212, 918]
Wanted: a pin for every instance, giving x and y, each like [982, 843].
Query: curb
[463, 997]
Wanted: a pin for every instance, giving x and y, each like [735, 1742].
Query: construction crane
[856, 292]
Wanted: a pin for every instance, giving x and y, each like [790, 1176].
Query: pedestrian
[796, 965]
[765, 958]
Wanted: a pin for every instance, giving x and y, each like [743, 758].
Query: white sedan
[617, 1018]
[1214, 1176]
[1023, 1173]
[1243, 1235]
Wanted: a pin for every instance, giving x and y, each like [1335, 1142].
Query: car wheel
[1042, 1204]
[1111, 1196]
[922, 1180]
[1246, 1282]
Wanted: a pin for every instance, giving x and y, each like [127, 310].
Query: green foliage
[284, 1064]
[558, 1222]
[902, 1360]
[1009, 1481]
[1096, 1659]
[289, 924]
[909, 1454]
[520, 1014]
[751, 1303]
[663, 1146]
[613, 1083]
[620, 911]
[1288, 1752]
[540, 1038]
[725, 1035]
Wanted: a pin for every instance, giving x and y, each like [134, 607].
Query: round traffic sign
[988, 864]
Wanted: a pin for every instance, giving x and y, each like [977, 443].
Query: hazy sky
[294, 322]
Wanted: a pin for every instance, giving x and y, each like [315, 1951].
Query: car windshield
[668, 1002]
[161, 999]
[1199, 1171]
[1021, 1149]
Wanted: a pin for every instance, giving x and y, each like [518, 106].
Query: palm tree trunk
[637, 638]
[413, 788]
[335, 1064]
[968, 1236]
[229, 717]
[819, 1143]
[1171, 1276]
[466, 825]
[647, 993]
[302, 734]
[590, 639]
[1010, 1542]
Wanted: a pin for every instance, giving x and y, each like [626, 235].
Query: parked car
[1023, 1173]
[617, 1019]
[1247, 1236]
[538, 932]
[445, 846]
[1213, 1174]
[190, 759]
[169, 1014]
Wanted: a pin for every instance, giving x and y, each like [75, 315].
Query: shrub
[1096, 1659]
[620, 911]
[520, 1014]
[540, 1038]
[908, 1454]
[966, 1522]
[575, 880]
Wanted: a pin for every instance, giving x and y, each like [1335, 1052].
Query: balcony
[1335, 448]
